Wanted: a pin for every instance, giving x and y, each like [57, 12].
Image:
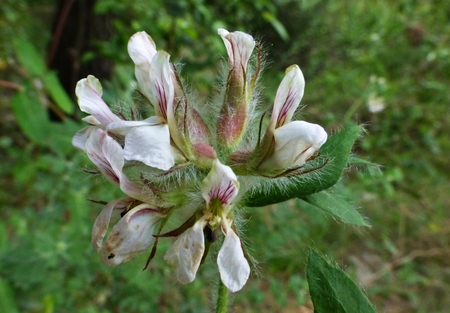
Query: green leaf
[332, 290]
[336, 206]
[61, 135]
[31, 116]
[7, 301]
[34, 63]
[359, 161]
[324, 172]
[57, 92]
[276, 24]
[29, 57]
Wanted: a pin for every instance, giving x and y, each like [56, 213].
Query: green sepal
[324, 172]
[337, 207]
[332, 290]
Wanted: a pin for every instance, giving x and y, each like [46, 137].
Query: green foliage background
[349, 51]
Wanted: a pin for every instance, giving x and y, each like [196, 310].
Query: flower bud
[234, 113]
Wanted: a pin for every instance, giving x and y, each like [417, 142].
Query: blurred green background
[384, 64]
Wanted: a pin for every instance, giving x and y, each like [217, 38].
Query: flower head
[167, 164]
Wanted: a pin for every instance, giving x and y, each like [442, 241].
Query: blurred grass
[350, 52]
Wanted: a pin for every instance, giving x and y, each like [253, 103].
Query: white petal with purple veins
[288, 97]
[131, 236]
[89, 94]
[221, 183]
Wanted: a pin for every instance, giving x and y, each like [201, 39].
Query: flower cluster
[183, 165]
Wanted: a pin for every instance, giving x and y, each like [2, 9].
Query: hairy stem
[222, 298]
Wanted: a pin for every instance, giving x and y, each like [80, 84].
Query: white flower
[89, 93]
[375, 104]
[295, 142]
[107, 155]
[147, 141]
[287, 143]
[131, 236]
[219, 189]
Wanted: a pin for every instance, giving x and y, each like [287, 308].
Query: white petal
[149, 145]
[239, 47]
[288, 97]
[131, 236]
[295, 142]
[233, 267]
[108, 156]
[102, 222]
[223, 33]
[220, 183]
[89, 93]
[122, 127]
[186, 252]
[91, 120]
[79, 140]
[161, 85]
[142, 49]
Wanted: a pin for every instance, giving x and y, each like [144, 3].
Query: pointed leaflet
[336, 206]
[330, 165]
[332, 290]
[33, 62]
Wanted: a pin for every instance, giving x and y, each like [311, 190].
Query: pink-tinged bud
[234, 114]
[204, 154]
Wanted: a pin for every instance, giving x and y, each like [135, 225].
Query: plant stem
[222, 298]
